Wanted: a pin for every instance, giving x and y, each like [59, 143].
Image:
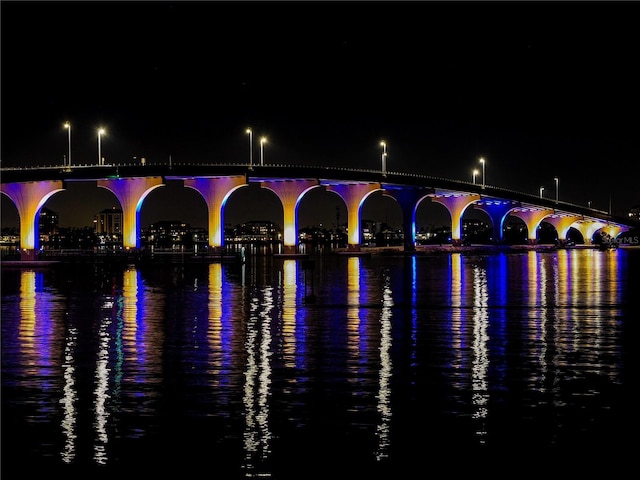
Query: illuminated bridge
[30, 188]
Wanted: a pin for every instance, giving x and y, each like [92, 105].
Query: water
[375, 367]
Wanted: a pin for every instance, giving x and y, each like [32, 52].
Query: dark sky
[540, 89]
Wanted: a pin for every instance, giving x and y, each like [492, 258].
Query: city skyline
[523, 85]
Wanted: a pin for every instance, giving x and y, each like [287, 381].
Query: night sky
[540, 89]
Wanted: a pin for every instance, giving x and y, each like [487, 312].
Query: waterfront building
[108, 222]
[48, 222]
[255, 231]
[107, 226]
[168, 233]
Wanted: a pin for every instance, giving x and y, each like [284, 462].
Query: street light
[475, 173]
[383, 144]
[541, 190]
[263, 140]
[555, 179]
[250, 132]
[67, 125]
[101, 132]
[483, 163]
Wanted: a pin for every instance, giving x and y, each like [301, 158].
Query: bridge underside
[131, 190]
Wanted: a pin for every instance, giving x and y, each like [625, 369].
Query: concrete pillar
[562, 224]
[290, 192]
[497, 211]
[29, 198]
[587, 228]
[456, 204]
[216, 191]
[131, 192]
[532, 218]
[615, 230]
[354, 195]
[408, 198]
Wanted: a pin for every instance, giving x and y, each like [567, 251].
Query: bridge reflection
[256, 327]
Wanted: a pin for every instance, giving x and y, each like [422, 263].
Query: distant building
[168, 233]
[255, 230]
[108, 222]
[48, 222]
[634, 213]
[83, 238]
[107, 226]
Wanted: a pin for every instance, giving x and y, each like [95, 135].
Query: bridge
[30, 188]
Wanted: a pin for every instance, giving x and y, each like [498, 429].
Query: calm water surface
[283, 368]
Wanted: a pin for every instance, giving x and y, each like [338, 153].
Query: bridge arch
[532, 217]
[456, 203]
[354, 195]
[29, 198]
[498, 211]
[131, 192]
[478, 216]
[562, 224]
[408, 199]
[428, 213]
[216, 191]
[290, 192]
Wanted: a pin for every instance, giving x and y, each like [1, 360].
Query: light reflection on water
[238, 366]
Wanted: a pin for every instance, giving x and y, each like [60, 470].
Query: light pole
[555, 179]
[101, 132]
[483, 163]
[541, 190]
[250, 132]
[475, 173]
[263, 140]
[383, 144]
[67, 125]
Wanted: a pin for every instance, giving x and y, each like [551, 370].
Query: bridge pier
[354, 195]
[408, 199]
[289, 249]
[29, 198]
[532, 217]
[456, 204]
[27, 254]
[290, 192]
[131, 192]
[215, 191]
[215, 250]
[497, 211]
[562, 223]
[588, 228]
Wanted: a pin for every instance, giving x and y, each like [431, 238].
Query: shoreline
[188, 258]
[475, 249]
